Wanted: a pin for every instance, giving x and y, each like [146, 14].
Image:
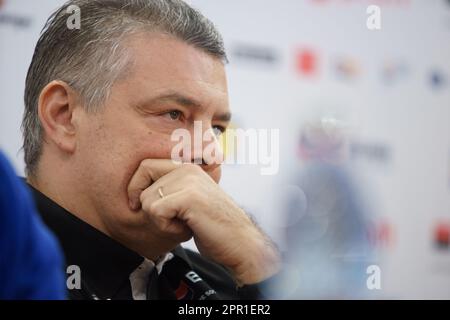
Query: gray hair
[91, 59]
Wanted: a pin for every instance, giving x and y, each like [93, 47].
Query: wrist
[263, 262]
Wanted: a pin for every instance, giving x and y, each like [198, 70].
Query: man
[30, 259]
[101, 103]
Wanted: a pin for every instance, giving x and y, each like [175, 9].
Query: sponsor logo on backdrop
[441, 235]
[373, 152]
[254, 54]
[437, 79]
[306, 62]
[381, 234]
[13, 19]
[394, 71]
[347, 68]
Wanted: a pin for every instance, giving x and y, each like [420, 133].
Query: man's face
[170, 85]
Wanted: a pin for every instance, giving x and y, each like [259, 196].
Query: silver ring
[161, 194]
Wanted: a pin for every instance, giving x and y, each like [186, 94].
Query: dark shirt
[106, 265]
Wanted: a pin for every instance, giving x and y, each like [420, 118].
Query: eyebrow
[180, 99]
[186, 102]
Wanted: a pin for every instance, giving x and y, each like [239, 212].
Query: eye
[174, 114]
[218, 130]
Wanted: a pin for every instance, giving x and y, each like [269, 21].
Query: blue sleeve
[31, 264]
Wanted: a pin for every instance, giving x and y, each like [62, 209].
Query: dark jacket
[106, 265]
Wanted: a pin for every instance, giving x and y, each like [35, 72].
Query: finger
[164, 214]
[147, 173]
[164, 186]
[177, 180]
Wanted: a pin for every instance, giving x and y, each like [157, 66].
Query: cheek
[115, 151]
[150, 145]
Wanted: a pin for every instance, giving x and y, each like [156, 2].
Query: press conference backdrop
[310, 66]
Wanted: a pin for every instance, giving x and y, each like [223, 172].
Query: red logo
[306, 62]
[442, 234]
[183, 292]
[381, 234]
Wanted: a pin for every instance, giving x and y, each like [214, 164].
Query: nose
[206, 150]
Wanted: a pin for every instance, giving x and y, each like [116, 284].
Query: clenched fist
[181, 200]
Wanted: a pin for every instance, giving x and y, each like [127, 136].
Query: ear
[57, 102]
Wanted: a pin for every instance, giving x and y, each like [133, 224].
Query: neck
[53, 182]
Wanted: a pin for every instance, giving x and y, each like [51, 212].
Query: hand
[192, 202]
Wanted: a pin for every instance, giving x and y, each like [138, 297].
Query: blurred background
[363, 186]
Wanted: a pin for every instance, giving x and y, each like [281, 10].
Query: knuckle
[146, 206]
[143, 196]
[153, 208]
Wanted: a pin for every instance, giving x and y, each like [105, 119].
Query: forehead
[162, 63]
